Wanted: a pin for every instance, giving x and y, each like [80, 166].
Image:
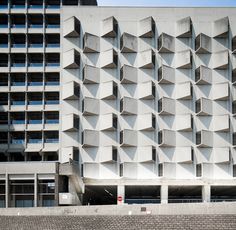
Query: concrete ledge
[224, 208]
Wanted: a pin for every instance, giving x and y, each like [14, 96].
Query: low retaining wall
[223, 208]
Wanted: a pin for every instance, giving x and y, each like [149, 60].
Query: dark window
[198, 106]
[197, 74]
[234, 138]
[121, 170]
[234, 170]
[198, 170]
[198, 138]
[160, 137]
[160, 170]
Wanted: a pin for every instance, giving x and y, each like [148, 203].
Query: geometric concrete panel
[91, 170]
[71, 28]
[221, 60]
[69, 153]
[234, 45]
[128, 43]
[91, 75]
[221, 28]
[147, 27]
[184, 91]
[184, 122]
[203, 107]
[128, 137]
[91, 43]
[109, 27]
[108, 122]
[107, 154]
[90, 138]
[71, 91]
[166, 138]
[184, 28]
[90, 106]
[70, 123]
[109, 59]
[146, 122]
[166, 75]
[128, 75]
[147, 90]
[220, 91]
[233, 78]
[146, 154]
[166, 43]
[183, 60]
[221, 123]
[108, 90]
[221, 155]
[184, 155]
[203, 75]
[128, 106]
[203, 44]
[147, 59]
[204, 138]
[166, 106]
[71, 59]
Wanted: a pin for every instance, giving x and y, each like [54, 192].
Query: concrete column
[35, 190]
[56, 190]
[206, 193]
[7, 191]
[120, 194]
[164, 194]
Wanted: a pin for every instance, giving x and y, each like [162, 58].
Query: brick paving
[148, 222]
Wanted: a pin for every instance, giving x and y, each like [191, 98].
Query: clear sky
[166, 2]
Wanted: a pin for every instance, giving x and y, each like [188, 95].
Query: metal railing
[197, 200]
[142, 201]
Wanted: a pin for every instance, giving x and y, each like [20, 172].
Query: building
[106, 105]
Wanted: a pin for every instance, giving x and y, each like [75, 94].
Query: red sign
[119, 198]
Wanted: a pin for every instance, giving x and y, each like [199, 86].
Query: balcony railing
[14, 45]
[53, 26]
[18, 26]
[17, 102]
[35, 122]
[18, 122]
[53, 64]
[17, 141]
[35, 102]
[39, 64]
[51, 140]
[52, 121]
[51, 102]
[35, 83]
[36, 26]
[14, 83]
[53, 6]
[52, 83]
[35, 6]
[18, 6]
[35, 141]
[53, 45]
[18, 64]
[36, 45]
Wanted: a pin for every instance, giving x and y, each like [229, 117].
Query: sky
[167, 3]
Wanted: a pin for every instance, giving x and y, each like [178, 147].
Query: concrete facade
[127, 104]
